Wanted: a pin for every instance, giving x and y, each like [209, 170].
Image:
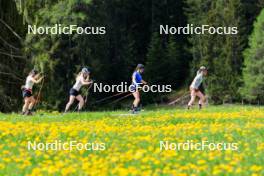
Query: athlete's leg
[137, 99]
[193, 96]
[202, 99]
[70, 102]
[26, 104]
[32, 103]
[81, 102]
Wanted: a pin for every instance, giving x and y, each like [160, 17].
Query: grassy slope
[133, 142]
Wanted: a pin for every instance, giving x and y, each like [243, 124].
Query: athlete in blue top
[137, 83]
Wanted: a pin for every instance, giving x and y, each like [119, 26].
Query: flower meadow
[132, 142]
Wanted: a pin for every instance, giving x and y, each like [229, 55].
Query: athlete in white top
[32, 78]
[197, 81]
[194, 88]
[81, 80]
[29, 82]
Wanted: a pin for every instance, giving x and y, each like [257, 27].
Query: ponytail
[139, 66]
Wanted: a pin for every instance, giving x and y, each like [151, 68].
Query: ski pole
[38, 96]
[119, 99]
[86, 96]
[109, 97]
[178, 99]
[87, 93]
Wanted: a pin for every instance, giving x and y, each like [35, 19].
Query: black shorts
[74, 92]
[201, 89]
[134, 88]
[26, 93]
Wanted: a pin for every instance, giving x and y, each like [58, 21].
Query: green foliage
[12, 60]
[112, 56]
[253, 72]
[155, 60]
[177, 64]
[221, 53]
[131, 38]
[164, 64]
[55, 55]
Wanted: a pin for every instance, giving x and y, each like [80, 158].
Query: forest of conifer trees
[235, 62]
